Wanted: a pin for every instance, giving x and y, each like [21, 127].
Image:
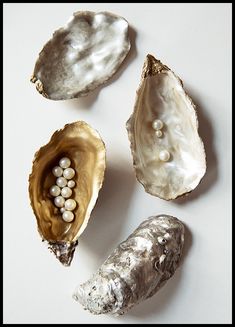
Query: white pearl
[66, 192]
[157, 124]
[158, 133]
[59, 201]
[55, 190]
[57, 171]
[62, 210]
[71, 184]
[164, 155]
[64, 162]
[69, 173]
[68, 216]
[61, 181]
[70, 204]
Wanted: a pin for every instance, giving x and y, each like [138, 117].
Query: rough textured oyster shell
[82, 55]
[136, 269]
[83, 145]
[161, 96]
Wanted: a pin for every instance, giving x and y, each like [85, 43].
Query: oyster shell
[136, 269]
[82, 55]
[83, 145]
[168, 154]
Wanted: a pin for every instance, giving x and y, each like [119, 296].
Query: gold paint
[84, 147]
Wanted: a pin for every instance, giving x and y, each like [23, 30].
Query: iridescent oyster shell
[136, 269]
[82, 55]
[84, 146]
[169, 161]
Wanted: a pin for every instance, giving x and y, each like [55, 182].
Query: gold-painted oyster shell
[84, 146]
[168, 157]
[82, 55]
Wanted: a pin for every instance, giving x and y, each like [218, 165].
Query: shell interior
[84, 147]
[81, 55]
[161, 96]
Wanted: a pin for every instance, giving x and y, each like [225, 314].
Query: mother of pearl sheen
[69, 173]
[54, 190]
[64, 162]
[71, 184]
[157, 124]
[66, 192]
[68, 216]
[164, 155]
[61, 181]
[59, 201]
[70, 204]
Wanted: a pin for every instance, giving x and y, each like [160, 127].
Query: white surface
[195, 41]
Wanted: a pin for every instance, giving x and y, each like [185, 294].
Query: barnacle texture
[136, 269]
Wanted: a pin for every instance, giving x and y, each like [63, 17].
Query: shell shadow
[207, 135]
[87, 101]
[166, 294]
[111, 211]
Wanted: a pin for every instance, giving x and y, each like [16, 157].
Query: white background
[194, 40]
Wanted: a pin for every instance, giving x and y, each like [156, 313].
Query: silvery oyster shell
[86, 150]
[136, 269]
[82, 55]
[169, 159]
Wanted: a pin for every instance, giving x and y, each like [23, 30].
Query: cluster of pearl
[63, 189]
[157, 125]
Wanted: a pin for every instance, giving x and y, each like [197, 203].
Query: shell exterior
[82, 55]
[136, 269]
[84, 146]
[161, 96]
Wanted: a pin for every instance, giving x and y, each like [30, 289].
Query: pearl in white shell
[65, 162]
[59, 201]
[66, 192]
[57, 171]
[68, 216]
[158, 133]
[157, 124]
[71, 184]
[61, 181]
[70, 204]
[69, 173]
[164, 155]
[54, 190]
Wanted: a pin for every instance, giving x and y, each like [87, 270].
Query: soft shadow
[207, 135]
[86, 102]
[164, 296]
[111, 212]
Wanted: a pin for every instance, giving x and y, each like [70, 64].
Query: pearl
[70, 204]
[62, 210]
[157, 124]
[164, 155]
[55, 190]
[69, 173]
[57, 171]
[59, 201]
[66, 192]
[61, 181]
[68, 216]
[158, 133]
[64, 162]
[71, 184]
